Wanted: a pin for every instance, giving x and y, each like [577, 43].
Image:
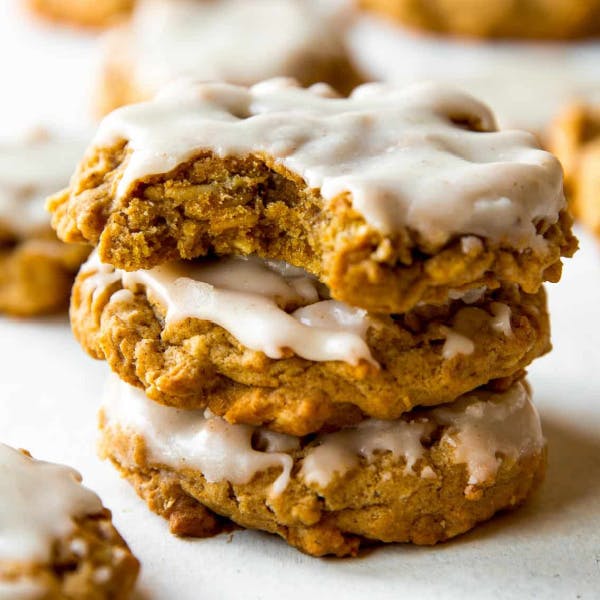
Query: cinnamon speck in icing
[426, 157]
[38, 502]
[247, 297]
[480, 429]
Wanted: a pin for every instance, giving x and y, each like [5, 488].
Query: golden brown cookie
[424, 479]
[36, 274]
[391, 197]
[58, 541]
[36, 269]
[537, 19]
[295, 363]
[575, 138]
[167, 40]
[86, 13]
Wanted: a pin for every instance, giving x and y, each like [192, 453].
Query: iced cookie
[260, 342]
[575, 138]
[425, 478]
[36, 269]
[57, 541]
[390, 197]
[538, 19]
[239, 41]
[88, 13]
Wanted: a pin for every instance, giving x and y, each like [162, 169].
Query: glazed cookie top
[275, 308]
[38, 503]
[248, 297]
[227, 40]
[30, 170]
[425, 158]
[481, 428]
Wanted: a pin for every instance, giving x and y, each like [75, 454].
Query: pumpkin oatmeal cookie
[425, 478]
[391, 197]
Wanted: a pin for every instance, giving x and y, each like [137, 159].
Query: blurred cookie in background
[36, 269]
[238, 41]
[535, 19]
[575, 138]
[87, 13]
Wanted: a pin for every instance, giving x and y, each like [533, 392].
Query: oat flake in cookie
[56, 539]
[424, 478]
[391, 197]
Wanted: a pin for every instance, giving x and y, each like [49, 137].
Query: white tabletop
[50, 391]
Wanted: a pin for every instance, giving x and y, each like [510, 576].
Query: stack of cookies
[320, 308]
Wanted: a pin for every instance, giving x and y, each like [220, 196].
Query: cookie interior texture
[526, 19]
[421, 488]
[251, 203]
[410, 359]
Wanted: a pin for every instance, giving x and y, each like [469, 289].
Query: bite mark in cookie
[373, 194]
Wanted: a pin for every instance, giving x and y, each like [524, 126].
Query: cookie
[86, 13]
[57, 539]
[167, 40]
[260, 342]
[424, 478]
[575, 138]
[391, 197]
[36, 269]
[529, 19]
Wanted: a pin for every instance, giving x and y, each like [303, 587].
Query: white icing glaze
[481, 427]
[242, 295]
[30, 170]
[498, 426]
[239, 41]
[196, 439]
[339, 452]
[456, 344]
[21, 589]
[38, 502]
[468, 321]
[501, 318]
[396, 151]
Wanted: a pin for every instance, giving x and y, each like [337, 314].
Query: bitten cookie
[86, 13]
[57, 541]
[391, 197]
[225, 40]
[575, 138]
[541, 19]
[36, 269]
[425, 478]
[260, 342]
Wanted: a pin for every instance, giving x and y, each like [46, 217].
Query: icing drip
[469, 321]
[480, 428]
[339, 452]
[197, 439]
[404, 155]
[38, 502]
[243, 295]
[227, 40]
[30, 171]
[483, 432]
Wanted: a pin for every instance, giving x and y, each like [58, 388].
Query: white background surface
[50, 391]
